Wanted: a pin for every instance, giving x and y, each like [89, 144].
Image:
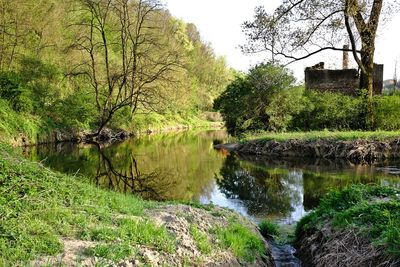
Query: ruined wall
[344, 81]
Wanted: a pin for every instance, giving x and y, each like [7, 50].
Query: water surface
[184, 166]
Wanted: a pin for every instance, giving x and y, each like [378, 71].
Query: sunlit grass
[39, 206]
[372, 211]
[326, 135]
[201, 239]
[242, 241]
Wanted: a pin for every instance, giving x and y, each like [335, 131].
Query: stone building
[345, 80]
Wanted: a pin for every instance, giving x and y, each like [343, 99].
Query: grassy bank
[14, 124]
[326, 135]
[363, 218]
[168, 122]
[43, 212]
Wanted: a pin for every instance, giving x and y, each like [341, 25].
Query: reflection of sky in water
[297, 193]
[219, 199]
[296, 196]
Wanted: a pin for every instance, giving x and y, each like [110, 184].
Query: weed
[245, 244]
[374, 211]
[201, 239]
[268, 228]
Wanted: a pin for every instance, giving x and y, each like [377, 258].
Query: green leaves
[264, 99]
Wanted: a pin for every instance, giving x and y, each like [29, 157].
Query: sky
[219, 23]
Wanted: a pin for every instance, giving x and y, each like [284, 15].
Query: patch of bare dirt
[177, 219]
[346, 248]
[72, 255]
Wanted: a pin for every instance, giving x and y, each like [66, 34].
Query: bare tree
[128, 178]
[299, 29]
[128, 50]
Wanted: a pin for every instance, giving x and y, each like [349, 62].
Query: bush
[77, 111]
[333, 111]
[253, 102]
[284, 107]
[387, 110]
[268, 228]
[32, 88]
[13, 90]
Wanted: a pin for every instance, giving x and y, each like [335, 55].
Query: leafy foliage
[332, 111]
[268, 228]
[44, 71]
[251, 102]
[266, 99]
[387, 109]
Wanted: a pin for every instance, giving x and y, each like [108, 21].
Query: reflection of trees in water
[183, 162]
[262, 191]
[319, 176]
[126, 177]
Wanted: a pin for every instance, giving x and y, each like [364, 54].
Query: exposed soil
[177, 219]
[347, 248]
[358, 151]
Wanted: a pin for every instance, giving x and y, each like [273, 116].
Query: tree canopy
[111, 60]
[302, 28]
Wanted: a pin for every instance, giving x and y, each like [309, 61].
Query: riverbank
[51, 218]
[355, 147]
[358, 226]
[28, 130]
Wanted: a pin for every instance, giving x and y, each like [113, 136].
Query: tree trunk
[367, 82]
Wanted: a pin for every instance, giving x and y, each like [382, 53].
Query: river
[185, 166]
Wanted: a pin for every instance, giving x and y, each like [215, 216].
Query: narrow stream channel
[184, 166]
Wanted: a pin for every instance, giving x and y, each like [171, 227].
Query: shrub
[285, 105]
[387, 110]
[332, 111]
[77, 111]
[250, 101]
[13, 90]
[268, 228]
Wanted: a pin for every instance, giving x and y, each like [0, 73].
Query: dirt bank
[329, 247]
[178, 220]
[355, 227]
[358, 151]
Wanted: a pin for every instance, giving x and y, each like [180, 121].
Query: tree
[258, 94]
[128, 51]
[299, 29]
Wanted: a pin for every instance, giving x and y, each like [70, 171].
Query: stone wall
[346, 81]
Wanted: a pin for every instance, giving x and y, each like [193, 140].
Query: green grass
[38, 207]
[155, 122]
[201, 239]
[373, 211]
[12, 124]
[316, 135]
[244, 244]
[268, 228]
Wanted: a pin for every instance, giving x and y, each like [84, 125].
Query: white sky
[219, 22]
